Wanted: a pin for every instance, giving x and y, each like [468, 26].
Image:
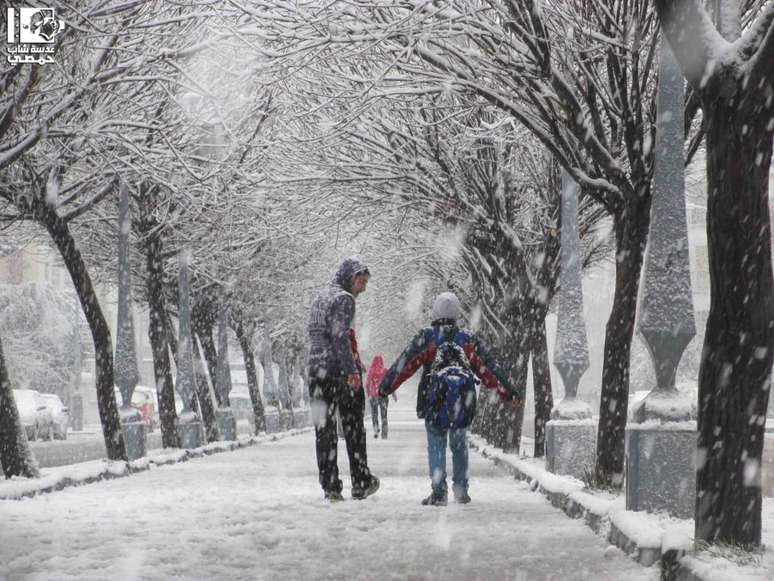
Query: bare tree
[733, 76]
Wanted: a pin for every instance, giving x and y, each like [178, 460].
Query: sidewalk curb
[671, 567]
[109, 470]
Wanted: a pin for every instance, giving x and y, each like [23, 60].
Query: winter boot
[461, 494]
[435, 500]
[333, 496]
[361, 492]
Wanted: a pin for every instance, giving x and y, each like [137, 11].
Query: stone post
[270, 390]
[661, 431]
[126, 373]
[224, 414]
[284, 389]
[189, 427]
[75, 402]
[571, 431]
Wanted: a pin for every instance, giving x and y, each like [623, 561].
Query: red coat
[355, 353]
[376, 372]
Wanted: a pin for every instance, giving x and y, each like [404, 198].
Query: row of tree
[579, 77]
[269, 138]
[138, 99]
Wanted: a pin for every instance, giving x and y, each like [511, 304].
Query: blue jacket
[421, 353]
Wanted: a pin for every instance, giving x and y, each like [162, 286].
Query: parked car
[60, 415]
[34, 414]
[144, 401]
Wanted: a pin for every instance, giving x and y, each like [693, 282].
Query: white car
[60, 415]
[34, 414]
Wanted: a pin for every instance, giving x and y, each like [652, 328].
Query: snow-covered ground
[258, 513]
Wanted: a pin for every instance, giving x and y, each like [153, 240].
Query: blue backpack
[451, 394]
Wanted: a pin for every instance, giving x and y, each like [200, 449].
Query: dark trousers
[327, 397]
[379, 407]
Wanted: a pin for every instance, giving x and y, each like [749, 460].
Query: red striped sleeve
[414, 364]
[487, 377]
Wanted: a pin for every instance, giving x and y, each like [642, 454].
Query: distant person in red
[376, 372]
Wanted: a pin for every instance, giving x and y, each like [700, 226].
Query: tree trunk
[203, 392]
[631, 237]
[205, 334]
[489, 418]
[509, 421]
[157, 334]
[16, 457]
[735, 372]
[252, 379]
[100, 331]
[541, 381]
[476, 426]
[284, 388]
[201, 403]
[488, 401]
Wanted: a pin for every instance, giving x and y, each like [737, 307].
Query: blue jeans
[436, 458]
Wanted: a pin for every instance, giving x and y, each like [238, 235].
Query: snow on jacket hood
[348, 269]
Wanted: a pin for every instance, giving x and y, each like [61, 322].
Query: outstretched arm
[419, 352]
[491, 374]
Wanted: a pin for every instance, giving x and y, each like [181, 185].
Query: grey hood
[348, 269]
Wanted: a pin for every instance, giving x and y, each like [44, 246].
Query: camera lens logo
[38, 25]
[32, 35]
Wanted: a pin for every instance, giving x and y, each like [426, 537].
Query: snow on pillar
[666, 321]
[571, 354]
[126, 372]
[188, 427]
[661, 431]
[571, 432]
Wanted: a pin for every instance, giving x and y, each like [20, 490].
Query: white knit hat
[447, 306]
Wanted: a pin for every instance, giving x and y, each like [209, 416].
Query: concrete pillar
[571, 431]
[189, 426]
[125, 362]
[661, 431]
[224, 415]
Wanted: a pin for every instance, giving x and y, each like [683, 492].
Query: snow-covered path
[258, 513]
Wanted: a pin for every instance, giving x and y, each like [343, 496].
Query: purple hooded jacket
[333, 308]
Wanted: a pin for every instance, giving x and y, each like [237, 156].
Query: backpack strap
[455, 337]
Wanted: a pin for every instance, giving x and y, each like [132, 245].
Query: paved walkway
[258, 513]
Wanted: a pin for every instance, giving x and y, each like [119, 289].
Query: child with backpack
[453, 359]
